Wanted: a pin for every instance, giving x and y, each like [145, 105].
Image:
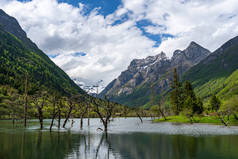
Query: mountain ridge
[20, 56]
[209, 76]
[151, 69]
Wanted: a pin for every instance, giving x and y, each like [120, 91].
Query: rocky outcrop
[154, 68]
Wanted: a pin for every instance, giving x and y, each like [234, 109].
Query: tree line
[182, 100]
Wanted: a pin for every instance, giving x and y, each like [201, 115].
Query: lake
[126, 139]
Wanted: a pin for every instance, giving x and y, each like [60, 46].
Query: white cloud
[208, 22]
[59, 28]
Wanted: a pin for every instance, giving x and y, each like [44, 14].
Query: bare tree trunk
[26, 100]
[105, 127]
[88, 116]
[40, 105]
[40, 116]
[82, 116]
[52, 121]
[67, 117]
[59, 118]
[25, 111]
[139, 117]
[41, 123]
[221, 117]
[81, 122]
[109, 110]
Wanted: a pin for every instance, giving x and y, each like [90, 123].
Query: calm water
[127, 139]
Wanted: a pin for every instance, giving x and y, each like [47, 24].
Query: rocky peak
[11, 25]
[193, 54]
[137, 64]
[176, 53]
[152, 68]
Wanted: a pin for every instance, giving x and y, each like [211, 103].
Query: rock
[154, 68]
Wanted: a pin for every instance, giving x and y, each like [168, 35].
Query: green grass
[197, 119]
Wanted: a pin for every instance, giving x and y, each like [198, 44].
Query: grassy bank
[197, 119]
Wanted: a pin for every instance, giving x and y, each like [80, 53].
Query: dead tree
[40, 102]
[71, 105]
[84, 111]
[137, 113]
[107, 107]
[55, 112]
[59, 107]
[25, 99]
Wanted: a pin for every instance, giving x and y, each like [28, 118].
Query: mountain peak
[195, 52]
[141, 73]
[2, 12]
[11, 25]
[193, 43]
[176, 52]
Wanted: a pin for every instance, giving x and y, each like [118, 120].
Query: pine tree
[176, 99]
[192, 102]
[215, 103]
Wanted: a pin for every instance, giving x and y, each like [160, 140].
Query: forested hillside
[18, 64]
[215, 74]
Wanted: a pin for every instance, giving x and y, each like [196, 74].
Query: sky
[94, 40]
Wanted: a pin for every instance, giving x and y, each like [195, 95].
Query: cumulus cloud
[61, 30]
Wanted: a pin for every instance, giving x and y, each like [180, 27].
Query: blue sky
[97, 39]
[107, 7]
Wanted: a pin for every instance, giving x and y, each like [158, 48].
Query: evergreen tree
[176, 99]
[194, 103]
[215, 103]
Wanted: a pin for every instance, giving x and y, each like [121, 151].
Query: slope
[214, 73]
[20, 59]
[134, 86]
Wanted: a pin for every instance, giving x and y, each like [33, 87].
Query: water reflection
[21, 144]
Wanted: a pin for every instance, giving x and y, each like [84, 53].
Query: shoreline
[212, 120]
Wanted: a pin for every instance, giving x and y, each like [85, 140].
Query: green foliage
[176, 98]
[193, 104]
[230, 105]
[217, 74]
[196, 119]
[139, 97]
[215, 103]
[18, 64]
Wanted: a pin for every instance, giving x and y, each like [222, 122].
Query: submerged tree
[71, 102]
[26, 98]
[54, 100]
[85, 105]
[104, 109]
[40, 101]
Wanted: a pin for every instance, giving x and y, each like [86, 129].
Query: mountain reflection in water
[15, 143]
